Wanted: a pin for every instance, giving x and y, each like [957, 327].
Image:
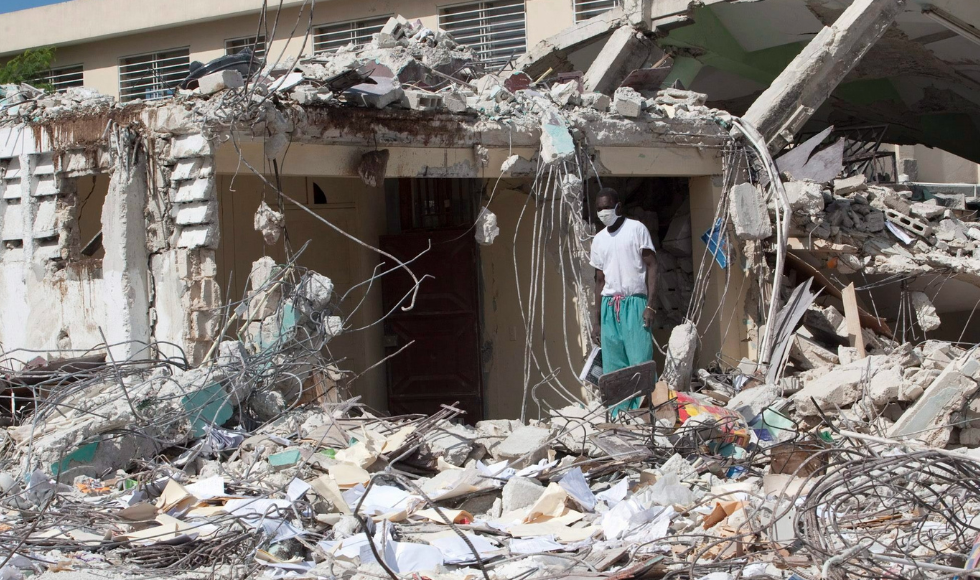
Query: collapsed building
[196, 343]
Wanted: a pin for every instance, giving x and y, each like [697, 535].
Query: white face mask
[608, 216]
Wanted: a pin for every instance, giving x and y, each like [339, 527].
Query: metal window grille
[496, 31]
[154, 75]
[331, 37]
[256, 43]
[585, 9]
[63, 78]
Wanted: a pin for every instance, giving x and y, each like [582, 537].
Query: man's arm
[600, 283]
[650, 259]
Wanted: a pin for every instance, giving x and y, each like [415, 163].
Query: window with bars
[585, 9]
[154, 75]
[331, 37]
[496, 31]
[256, 43]
[63, 77]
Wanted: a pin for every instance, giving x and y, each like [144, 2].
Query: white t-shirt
[620, 257]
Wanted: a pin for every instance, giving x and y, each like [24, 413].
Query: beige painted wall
[723, 319]
[938, 166]
[206, 40]
[504, 327]
[353, 207]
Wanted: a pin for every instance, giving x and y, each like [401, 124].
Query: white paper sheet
[297, 489]
[615, 494]
[577, 487]
[209, 488]
[534, 545]
[455, 551]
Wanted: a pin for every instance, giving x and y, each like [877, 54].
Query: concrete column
[723, 319]
[625, 51]
[789, 102]
[125, 266]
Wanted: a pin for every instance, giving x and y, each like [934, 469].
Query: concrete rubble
[840, 448]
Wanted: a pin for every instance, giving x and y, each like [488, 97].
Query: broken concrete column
[681, 347]
[125, 265]
[625, 51]
[789, 102]
[749, 214]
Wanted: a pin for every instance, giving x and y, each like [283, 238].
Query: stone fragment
[951, 230]
[565, 93]
[886, 386]
[266, 294]
[681, 348]
[527, 442]
[486, 227]
[455, 101]
[807, 354]
[520, 493]
[804, 196]
[850, 184]
[925, 311]
[269, 223]
[749, 214]
[627, 102]
[450, 441]
[557, 144]
[597, 101]
[219, 81]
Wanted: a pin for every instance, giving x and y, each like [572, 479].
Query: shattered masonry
[176, 428]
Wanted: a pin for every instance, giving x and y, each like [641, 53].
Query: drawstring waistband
[616, 300]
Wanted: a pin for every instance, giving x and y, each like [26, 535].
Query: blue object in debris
[717, 243]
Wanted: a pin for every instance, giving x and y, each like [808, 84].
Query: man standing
[625, 286]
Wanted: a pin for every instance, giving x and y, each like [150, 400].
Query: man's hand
[597, 333]
[648, 315]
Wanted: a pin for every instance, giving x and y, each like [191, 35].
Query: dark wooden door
[442, 366]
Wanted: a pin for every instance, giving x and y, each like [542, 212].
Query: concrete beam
[553, 52]
[625, 51]
[782, 110]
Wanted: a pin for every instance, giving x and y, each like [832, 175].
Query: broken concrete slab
[750, 402]
[553, 53]
[850, 184]
[930, 419]
[526, 443]
[839, 388]
[520, 493]
[805, 196]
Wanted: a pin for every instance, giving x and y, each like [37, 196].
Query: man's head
[607, 206]
[606, 199]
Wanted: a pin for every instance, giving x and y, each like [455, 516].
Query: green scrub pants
[625, 341]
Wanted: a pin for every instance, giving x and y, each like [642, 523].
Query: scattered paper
[578, 489]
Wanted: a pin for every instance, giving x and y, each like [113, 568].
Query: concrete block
[195, 213]
[749, 214]
[886, 386]
[194, 190]
[202, 236]
[557, 144]
[219, 81]
[913, 225]
[841, 387]
[184, 146]
[378, 96]
[565, 93]
[451, 442]
[421, 100]
[316, 290]
[627, 102]
[269, 223]
[520, 493]
[850, 184]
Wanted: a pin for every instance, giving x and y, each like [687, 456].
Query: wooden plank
[853, 318]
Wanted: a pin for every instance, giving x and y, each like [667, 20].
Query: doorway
[437, 341]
